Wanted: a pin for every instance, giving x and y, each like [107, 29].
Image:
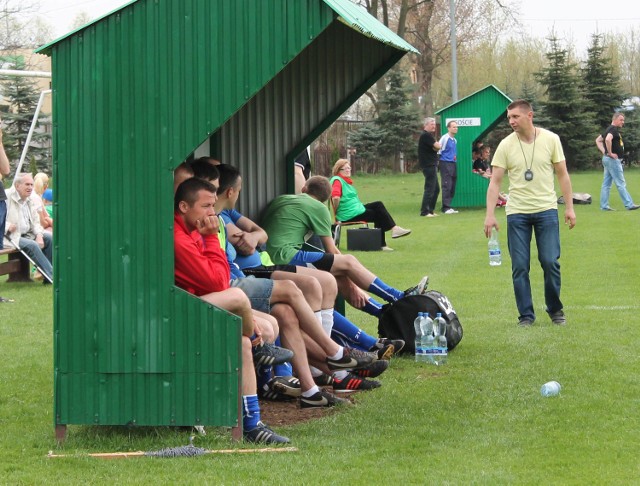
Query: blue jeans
[42, 257]
[519, 230]
[3, 219]
[613, 174]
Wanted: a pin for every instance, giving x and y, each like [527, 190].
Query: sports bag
[396, 320]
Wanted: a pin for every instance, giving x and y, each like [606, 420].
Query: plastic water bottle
[428, 343]
[495, 255]
[440, 337]
[550, 389]
[417, 327]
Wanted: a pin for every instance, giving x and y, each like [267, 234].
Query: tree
[601, 85]
[14, 33]
[398, 118]
[23, 95]
[366, 140]
[631, 133]
[564, 108]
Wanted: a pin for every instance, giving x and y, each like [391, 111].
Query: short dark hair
[188, 191]
[318, 187]
[229, 176]
[520, 104]
[204, 170]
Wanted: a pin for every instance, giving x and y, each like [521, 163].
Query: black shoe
[386, 352]
[351, 359]
[322, 399]
[558, 318]
[634, 207]
[262, 434]
[323, 380]
[287, 385]
[270, 354]
[352, 383]
[398, 344]
[374, 369]
[524, 322]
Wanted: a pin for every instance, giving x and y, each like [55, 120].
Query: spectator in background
[449, 166]
[428, 158]
[40, 184]
[481, 162]
[5, 170]
[348, 206]
[23, 229]
[47, 200]
[611, 146]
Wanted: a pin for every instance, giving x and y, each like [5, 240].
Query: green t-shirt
[288, 219]
[538, 194]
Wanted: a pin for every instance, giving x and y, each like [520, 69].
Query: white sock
[339, 354]
[315, 372]
[340, 375]
[327, 320]
[311, 391]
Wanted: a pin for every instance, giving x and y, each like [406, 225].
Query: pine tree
[564, 110]
[631, 134]
[23, 95]
[398, 118]
[601, 85]
[366, 140]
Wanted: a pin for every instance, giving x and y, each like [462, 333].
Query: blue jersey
[448, 149]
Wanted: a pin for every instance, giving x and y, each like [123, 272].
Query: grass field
[478, 420]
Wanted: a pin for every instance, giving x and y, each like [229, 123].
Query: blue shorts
[258, 290]
[313, 259]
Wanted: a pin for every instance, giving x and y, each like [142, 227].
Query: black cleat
[270, 354]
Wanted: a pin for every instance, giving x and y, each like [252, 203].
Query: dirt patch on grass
[290, 413]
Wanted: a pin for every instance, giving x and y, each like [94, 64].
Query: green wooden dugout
[476, 115]
[135, 93]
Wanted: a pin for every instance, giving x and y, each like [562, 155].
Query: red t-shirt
[201, 266]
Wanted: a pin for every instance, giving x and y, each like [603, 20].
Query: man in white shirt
[23, 229]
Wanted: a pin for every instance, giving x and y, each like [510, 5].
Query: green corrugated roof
[351, 14]
[359, 19]
[46, 49]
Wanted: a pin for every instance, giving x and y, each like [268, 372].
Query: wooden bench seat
[17, 266]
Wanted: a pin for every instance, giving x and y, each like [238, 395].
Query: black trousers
[448, 177]
[431, 190]
[377, 214]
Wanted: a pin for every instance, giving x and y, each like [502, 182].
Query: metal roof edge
[46, 49]
[473, 94]
[359, 19]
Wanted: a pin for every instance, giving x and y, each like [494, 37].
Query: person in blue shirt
[448, 166]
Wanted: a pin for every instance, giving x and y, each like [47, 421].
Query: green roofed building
[156, 82]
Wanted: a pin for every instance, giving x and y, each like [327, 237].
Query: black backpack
[396, 320]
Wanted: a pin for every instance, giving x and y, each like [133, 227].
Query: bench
[17, 266]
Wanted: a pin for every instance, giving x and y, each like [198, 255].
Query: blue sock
[372, 307]
[250, 412]
[354, 336]
[284, 369]
[263, 375]
[382, 290]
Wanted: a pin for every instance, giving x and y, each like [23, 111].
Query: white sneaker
[451, 211]
[397, 233]
[386, 248]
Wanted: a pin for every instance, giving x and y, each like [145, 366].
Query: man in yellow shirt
[531, 156]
